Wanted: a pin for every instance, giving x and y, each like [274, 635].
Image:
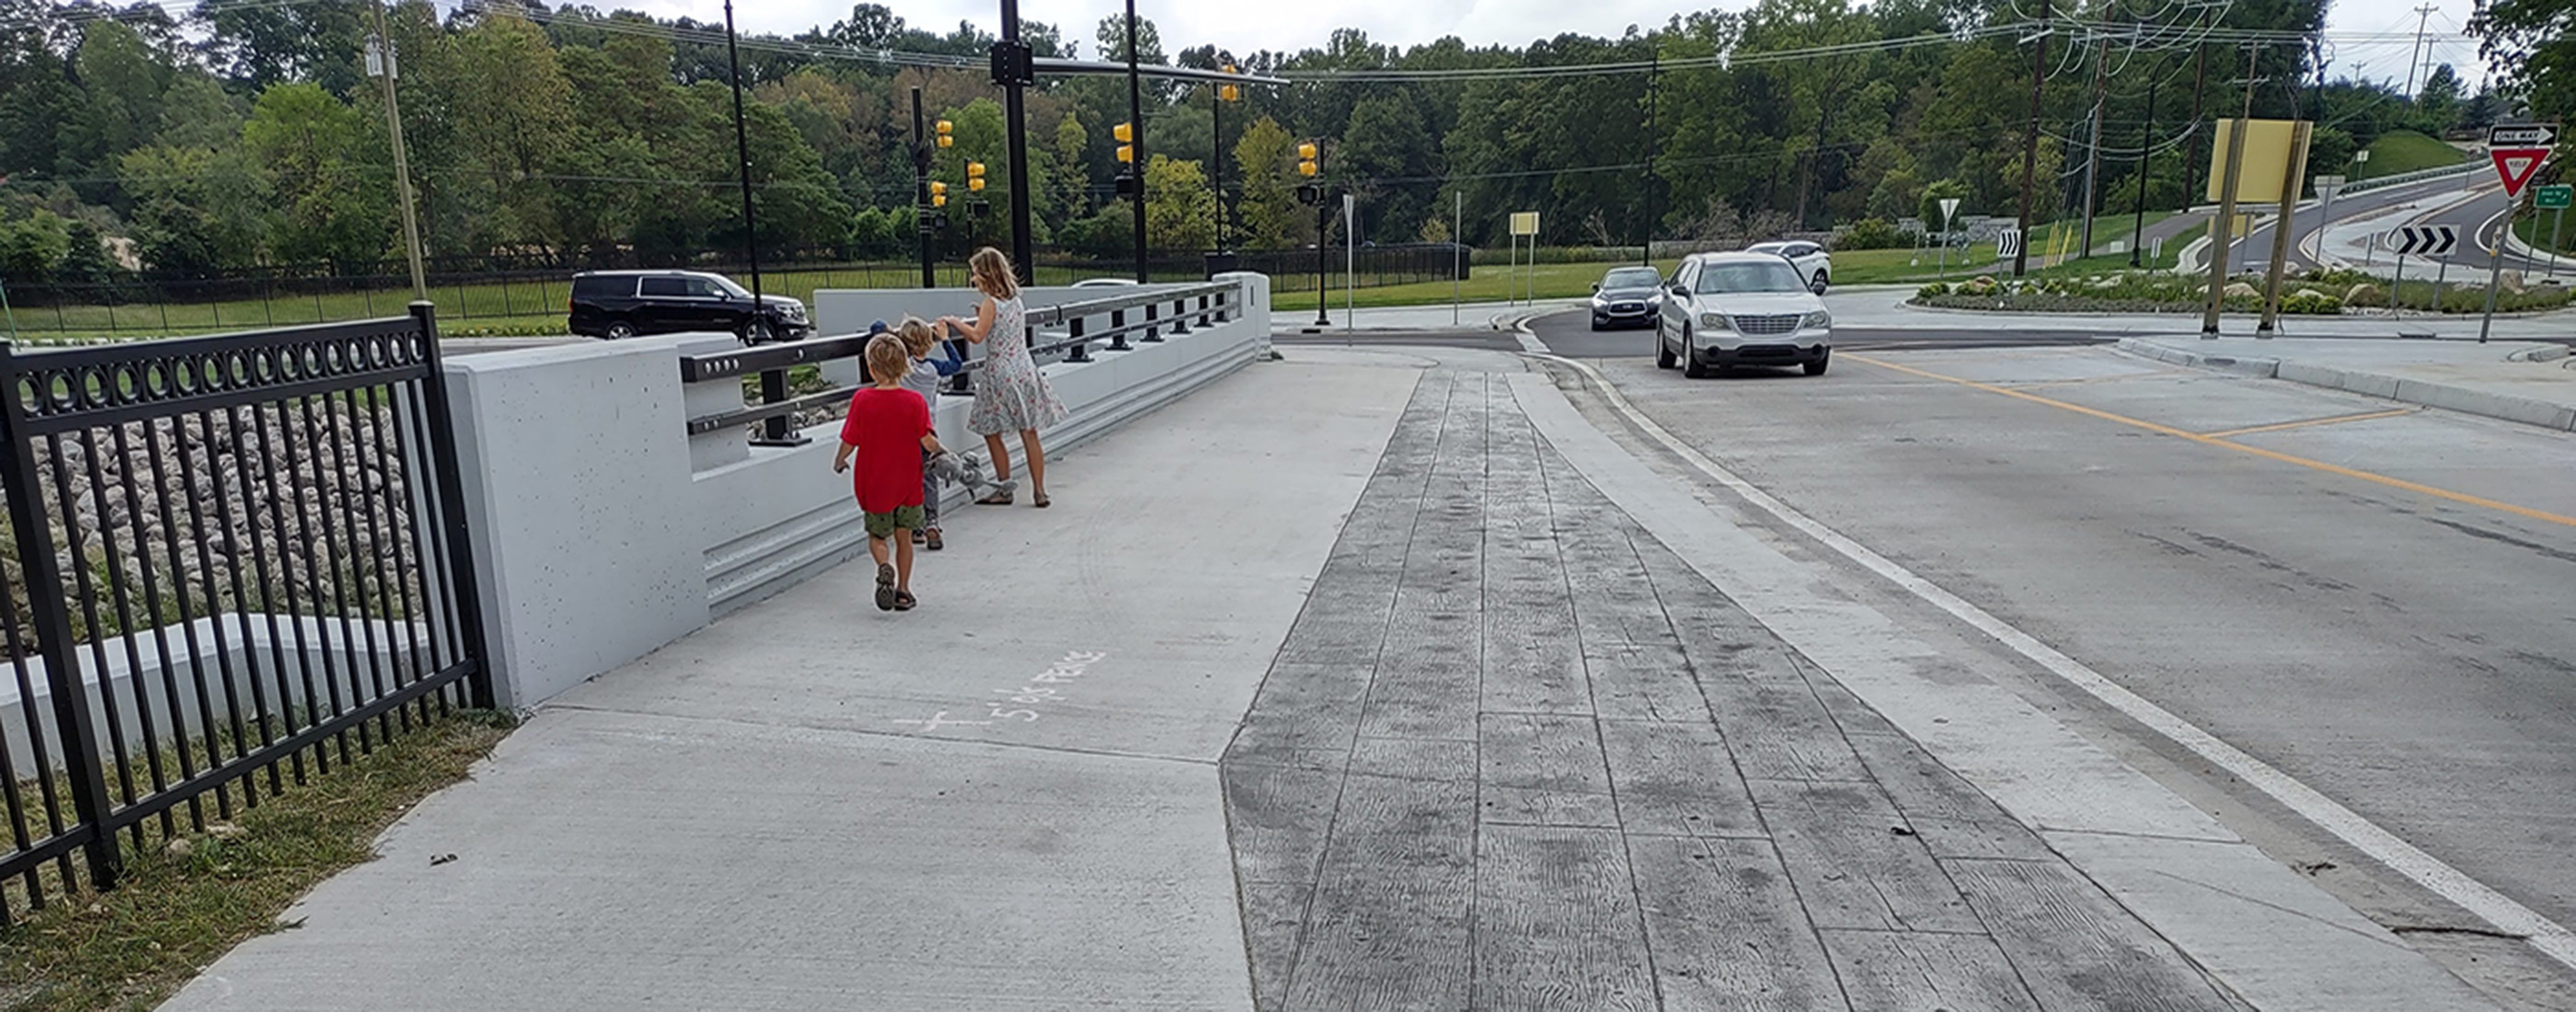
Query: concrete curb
[2526, 410]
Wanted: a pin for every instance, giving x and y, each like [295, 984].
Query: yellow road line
[2280, 426]
[2463, 498]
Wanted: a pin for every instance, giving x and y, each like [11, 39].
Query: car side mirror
[1678, 290]
[1596, 286]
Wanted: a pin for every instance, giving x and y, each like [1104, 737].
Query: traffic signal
[975, 176]
[1228, 92]
[1126, 135]
[946, 130]
[1306, 160]
[938, 194]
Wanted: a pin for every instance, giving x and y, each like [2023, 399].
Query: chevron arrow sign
[2422, 240]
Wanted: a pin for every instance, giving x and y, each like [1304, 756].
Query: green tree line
[244, 134]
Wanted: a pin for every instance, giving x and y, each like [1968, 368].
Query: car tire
[1817, 285]
[758, 333]
[618, 330]
[1691, 367]
[1817, 367]
[1597, 324]
[1664, 358]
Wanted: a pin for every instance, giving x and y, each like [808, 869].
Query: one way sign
[2423, 240]
[2518, 149]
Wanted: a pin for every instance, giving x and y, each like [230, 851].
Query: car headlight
[1714, 321]
[1816, 320]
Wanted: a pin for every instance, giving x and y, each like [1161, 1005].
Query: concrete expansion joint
[858, 732]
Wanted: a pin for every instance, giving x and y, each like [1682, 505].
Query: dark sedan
[1626, 297]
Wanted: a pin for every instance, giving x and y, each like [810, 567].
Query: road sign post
[2553, 198]
[2327, 187]
[1949, 206]
[1524, 223]
[2518, 149]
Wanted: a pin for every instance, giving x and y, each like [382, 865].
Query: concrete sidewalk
[1411, 689]
[2522, 381]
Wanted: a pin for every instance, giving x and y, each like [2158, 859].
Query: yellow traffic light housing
[1124, 132]
[1126, 154]
[975, 176]
[1306, 151]
[938, 194]
[1229, 93]
[1306, 169]
[946, 129]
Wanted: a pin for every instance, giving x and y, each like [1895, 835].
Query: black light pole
[921, 191]
[1216, 157]
[773, 383]
[1136, 121]
[1323, 225]
[1014, 72]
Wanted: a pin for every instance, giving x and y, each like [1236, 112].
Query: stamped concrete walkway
[1516, 755]
[1360, 681]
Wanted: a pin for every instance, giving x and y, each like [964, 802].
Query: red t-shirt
[886, 426]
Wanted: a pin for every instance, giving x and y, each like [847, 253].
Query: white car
[1815, 266]
[1731, 309]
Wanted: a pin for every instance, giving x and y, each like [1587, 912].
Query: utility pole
[773, 383]
[2413, 55]
[2093, 141]
[1654, 73]
[1136, 116]
[921, 210]
[2030, 141]
[2146, 139]
[402, 161]
[2191, 155]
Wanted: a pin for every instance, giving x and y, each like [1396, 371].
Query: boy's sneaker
[918, 537]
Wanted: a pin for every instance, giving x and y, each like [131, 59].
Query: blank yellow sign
[2268, 143]
[1524, 223]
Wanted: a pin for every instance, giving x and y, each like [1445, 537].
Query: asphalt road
[2478, 219]
[1571, 335]
[2322, 595]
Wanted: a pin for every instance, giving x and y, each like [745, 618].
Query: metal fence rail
[1107, 324]
[238, 559]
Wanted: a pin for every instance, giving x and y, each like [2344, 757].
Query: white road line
[2502, 912]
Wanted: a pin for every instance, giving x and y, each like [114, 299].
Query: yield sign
[2516, 166]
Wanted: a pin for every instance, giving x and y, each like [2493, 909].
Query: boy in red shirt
[888, 427]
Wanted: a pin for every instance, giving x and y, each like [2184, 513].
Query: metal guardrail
[1141, 317]
[2403, 178]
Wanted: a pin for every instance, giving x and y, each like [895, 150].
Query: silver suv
[1731, 309]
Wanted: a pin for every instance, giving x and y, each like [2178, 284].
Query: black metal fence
[484, 291]
[1073, 331]
[234, 561]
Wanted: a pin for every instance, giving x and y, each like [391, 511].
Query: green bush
[2311, 303]
[1934, 290]
[1872, 233]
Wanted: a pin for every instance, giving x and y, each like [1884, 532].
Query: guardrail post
[1180, 315]
[1203, 309]
[1081, 350]
[1150, 336]
[1118, 330]
[53, 628]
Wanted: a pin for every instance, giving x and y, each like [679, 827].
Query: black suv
[616, 304]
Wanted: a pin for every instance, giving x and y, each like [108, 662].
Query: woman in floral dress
[1011, 394]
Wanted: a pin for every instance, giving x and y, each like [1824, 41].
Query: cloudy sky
[1300, 24]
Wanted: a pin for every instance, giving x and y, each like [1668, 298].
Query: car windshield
[730, 288]
[1720, 279]
[1631, 277]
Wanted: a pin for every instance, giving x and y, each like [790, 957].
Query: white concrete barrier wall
[602, 530]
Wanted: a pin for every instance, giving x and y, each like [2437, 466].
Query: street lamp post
[1136, 116]
[773, 383]
[402, 162]
[1220, 94]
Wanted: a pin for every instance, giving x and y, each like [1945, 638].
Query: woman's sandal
[933, 537]
[1040, 502]
[996, 499]
[903, 600]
